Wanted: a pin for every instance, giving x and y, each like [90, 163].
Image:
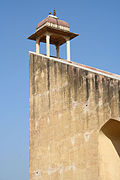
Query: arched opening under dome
[109, 151]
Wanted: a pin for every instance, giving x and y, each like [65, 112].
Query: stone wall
[68, 108]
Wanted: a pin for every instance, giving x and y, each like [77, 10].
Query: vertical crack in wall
[33, 76]
[75, 84]
[96, 82]
[33, 87]
[55, 72]
[87, 96]
[48, 80]
[87, 88]
[97, 95]
[62, 89]
[110, 94]
[69, 85]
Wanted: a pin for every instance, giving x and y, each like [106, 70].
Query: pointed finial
[54, 13]
[49, 12]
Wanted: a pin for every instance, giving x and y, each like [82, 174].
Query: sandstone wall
[68, 108]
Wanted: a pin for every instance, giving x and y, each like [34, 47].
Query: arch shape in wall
[109, 151]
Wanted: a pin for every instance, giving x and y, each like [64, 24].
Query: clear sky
[97, 22]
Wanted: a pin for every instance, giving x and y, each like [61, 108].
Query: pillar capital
[48, 33]
[67, 38]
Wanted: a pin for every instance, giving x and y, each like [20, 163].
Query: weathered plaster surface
[68, 108]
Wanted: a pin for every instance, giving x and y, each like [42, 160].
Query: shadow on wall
[109, 151]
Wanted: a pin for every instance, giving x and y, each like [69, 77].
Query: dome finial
[54, 12]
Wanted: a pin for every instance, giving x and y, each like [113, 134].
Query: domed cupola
[52, 30]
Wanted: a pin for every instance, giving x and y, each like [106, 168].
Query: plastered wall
[68, 108]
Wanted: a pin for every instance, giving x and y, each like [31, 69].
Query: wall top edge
[71, 63]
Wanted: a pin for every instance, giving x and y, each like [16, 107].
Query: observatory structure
[74, 112]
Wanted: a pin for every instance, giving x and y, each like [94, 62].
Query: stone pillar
[57, 50]
[48, 44]
[37, 45]
[68, 49]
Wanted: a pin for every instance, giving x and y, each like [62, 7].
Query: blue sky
[97, 22]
